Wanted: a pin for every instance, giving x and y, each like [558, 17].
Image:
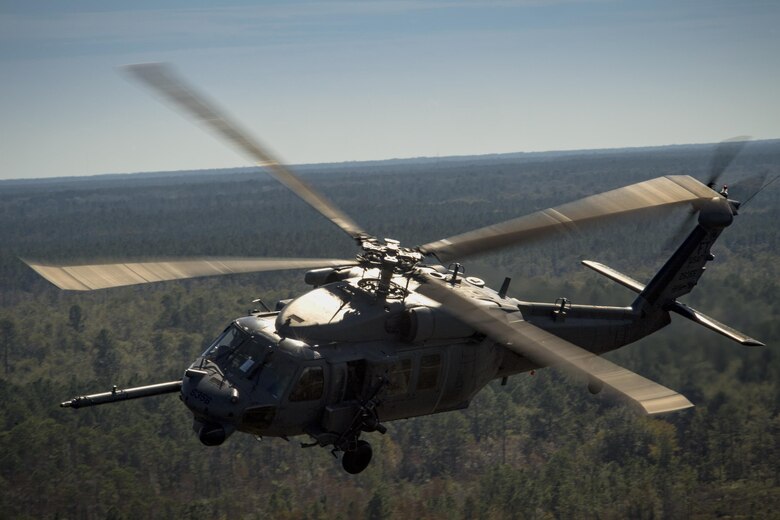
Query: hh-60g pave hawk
[387, 336]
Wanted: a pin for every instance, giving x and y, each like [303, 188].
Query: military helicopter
[393, 333]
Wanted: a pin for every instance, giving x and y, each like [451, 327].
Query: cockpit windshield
[237, 350]
[230, 338]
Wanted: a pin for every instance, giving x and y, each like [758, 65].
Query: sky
[348, 80]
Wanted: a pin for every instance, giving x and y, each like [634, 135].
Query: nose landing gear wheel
[355, 461]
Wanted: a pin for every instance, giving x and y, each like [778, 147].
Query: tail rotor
[725, 153]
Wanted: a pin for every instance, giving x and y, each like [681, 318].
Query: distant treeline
[539, 447]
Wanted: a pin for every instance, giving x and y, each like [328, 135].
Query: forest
[539, 447]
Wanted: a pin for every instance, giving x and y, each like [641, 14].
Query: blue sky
[360, 80]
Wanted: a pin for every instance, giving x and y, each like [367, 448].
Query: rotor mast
[390, 258]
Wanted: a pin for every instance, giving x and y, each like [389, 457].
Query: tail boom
[681, 273]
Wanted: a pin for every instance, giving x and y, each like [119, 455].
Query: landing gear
[356, 460]
[356, 453]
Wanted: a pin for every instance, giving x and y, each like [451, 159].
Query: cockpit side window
[235, 350]
[225, 343]
[249, 354]
[310, 385]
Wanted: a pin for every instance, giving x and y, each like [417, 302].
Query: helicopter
[400, 332]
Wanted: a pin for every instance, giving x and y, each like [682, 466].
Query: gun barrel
[122, 394]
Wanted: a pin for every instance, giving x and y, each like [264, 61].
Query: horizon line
[358, 162]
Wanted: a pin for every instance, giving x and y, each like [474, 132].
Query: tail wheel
[355, 461]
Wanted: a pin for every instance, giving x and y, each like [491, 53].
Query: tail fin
[682, 271]
[680, 274]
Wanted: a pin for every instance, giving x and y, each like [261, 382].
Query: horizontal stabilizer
[677, 307]
[616, 276]
[713, 324]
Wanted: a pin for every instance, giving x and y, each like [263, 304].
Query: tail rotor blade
[747, 189]
[724, 155]
[685, 227]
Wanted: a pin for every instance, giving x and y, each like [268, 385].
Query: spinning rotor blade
[103, 276]
[752, 185]
[162, 79]
[546, 349]
[661, 191]
[725, 153]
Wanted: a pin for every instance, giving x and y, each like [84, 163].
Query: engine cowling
[425, 323]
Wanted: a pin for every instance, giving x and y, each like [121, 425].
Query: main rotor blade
[662, 191]
[546, 349]
[102, 276]
[163, 79]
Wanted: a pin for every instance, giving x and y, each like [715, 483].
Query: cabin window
[356, 375]
[399, 376]
[429, 372]
[309, 386]
[276, 375]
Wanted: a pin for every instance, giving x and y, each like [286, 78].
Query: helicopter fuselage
[322, 360]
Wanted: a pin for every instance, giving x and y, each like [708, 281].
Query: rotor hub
[388, 256]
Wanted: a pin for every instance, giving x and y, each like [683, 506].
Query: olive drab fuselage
[308, 367]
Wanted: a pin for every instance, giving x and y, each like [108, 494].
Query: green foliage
[7, 340]
[539, 447]
[76, 318]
